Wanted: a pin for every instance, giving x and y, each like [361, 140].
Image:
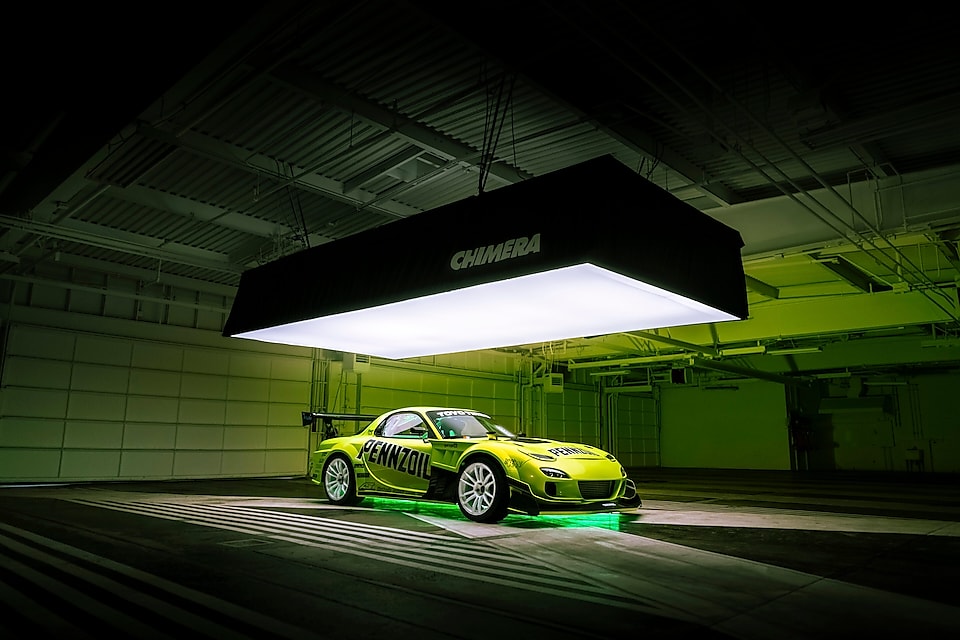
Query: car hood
[558, 449]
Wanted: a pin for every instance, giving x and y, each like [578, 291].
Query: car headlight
[550, 472]
[540, 456]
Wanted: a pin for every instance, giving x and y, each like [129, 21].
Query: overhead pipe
[714, 365]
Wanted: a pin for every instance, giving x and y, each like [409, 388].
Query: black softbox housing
[598, 212]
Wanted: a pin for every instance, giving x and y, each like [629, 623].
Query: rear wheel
[482, 492]
[339, 483]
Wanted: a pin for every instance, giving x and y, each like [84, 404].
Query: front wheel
[482, 492]
[339, 483]
[629, 497]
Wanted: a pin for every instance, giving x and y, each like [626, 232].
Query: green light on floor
[611, 521]
[593, 520]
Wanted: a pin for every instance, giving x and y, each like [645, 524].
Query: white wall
[77, 405]
[571, 416]
[485, 383]
[635, 425]
[740, 427]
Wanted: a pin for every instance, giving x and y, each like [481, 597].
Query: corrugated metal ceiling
[301, 123]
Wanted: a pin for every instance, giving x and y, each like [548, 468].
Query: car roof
[434, 408]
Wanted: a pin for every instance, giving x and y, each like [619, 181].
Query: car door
[398, 455]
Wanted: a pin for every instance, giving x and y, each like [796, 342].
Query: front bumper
[523, 501]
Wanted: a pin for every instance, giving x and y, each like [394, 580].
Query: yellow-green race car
[462, 456]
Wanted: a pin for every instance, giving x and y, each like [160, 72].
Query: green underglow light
[449, 511]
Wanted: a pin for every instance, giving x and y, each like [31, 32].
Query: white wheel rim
[477, 488]
[337, 479]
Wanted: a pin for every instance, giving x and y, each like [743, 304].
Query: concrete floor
[709, 555]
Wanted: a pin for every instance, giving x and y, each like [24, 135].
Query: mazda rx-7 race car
[464, 457]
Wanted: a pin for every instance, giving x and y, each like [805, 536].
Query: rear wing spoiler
[310, 419]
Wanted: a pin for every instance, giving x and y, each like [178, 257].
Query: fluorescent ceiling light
[743, 351]
[589, 250]
[787, 351]
[564, 303]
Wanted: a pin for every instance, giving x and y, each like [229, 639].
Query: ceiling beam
[125, 242]
[946, 242]
[173, 301]
[236, 156]
[761, 287]
[642, 142]
[201, 212]
[157, 275]
[419, 134]
[697, 348]
[381, 168]
[849, 272]
[914, 117]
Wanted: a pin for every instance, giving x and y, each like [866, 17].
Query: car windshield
[462, 423]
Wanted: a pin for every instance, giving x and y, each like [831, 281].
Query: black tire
[339, 481]
[482, 491]
[629, 497]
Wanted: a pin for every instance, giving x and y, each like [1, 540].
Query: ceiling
[180, 149]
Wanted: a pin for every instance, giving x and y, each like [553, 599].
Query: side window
[460, 427]
[473, 429]
[450, 426]
[402, 425]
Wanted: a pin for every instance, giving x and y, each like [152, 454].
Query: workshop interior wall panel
[383, 387]
[938, 430]
[738, 426]
[635, 429]
[884, 423]
[863, 440]
[572, 416]
[82, 406]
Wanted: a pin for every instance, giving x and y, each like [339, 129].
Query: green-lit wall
[737, 425]
[902, 424]
[936, 423]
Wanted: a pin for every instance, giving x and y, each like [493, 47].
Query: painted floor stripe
[550, 580]
[438, 548]
[37, 549]
[743, 598]
[41, 619]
